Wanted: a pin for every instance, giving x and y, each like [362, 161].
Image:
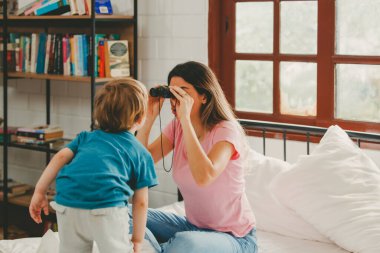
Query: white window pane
[298, 88]
[299, 27]
[357, 92]
[357, 27]
[254, 27]
[254, 86]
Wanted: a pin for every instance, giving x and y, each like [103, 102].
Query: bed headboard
[264, 128]
[307, 131]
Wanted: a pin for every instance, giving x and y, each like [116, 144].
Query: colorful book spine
[85, 54]
[47, 53]
[101, 61]
[73, 53]
[40, 68]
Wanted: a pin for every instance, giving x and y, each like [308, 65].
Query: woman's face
[189, 89]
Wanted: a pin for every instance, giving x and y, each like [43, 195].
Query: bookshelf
[83, 79]
[125, 26]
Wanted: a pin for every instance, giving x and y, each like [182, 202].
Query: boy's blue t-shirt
[105, 171]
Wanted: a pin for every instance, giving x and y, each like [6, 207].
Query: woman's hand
[184, 104]
[39, 201]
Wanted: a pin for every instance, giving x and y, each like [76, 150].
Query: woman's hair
[119, 104]
[217, 107]
[205, 82]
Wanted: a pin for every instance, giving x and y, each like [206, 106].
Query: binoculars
[161, 91]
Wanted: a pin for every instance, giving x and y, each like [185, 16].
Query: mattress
[268, 242]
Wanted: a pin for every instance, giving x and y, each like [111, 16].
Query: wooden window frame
[222, 57]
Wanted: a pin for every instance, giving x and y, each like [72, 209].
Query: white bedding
[274, 243]
[268, 242]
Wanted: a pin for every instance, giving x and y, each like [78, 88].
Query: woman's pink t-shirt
[221, 205]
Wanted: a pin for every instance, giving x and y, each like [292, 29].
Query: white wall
[170, 32]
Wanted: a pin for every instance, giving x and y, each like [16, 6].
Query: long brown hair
[205, 82]
[119, 104]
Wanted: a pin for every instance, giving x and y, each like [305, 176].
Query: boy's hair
[119, 104]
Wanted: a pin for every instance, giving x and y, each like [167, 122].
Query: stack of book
[15, 188]
[62, 7]
[44, 7]
[39, 134]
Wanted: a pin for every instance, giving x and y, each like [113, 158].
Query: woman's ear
[204, 99]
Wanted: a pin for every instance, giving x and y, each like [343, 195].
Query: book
[35, 6]
[81, 7]
[34, 52]
[20, 189]
[117, 58]
[66, 55]
[88, 6]
[11, 184]
[103, 7]
[73, 7]
[21, 9]
[11, 134]
[47, 52]
[54, 7]
[98, 37]
[101, 59]
[38, 134]
[40, 64]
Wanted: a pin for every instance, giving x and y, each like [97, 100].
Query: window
[303, 62]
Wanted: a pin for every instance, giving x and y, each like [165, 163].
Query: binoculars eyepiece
[161, 91]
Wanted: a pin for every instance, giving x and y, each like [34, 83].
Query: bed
[327, 201]
[268, 242]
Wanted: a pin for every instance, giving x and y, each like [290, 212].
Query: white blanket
[49, 243]
[268, 242]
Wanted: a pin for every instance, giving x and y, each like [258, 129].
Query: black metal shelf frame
[48, 148]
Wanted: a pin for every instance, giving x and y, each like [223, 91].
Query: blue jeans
[177, 235]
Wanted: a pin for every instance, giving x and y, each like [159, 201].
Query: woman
[209, 149]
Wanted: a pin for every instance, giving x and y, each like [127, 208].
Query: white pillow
[270, 214]
[337, 190]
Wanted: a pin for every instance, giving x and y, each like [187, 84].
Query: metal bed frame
[266, 127]
[307, 131]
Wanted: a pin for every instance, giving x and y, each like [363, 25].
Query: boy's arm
[63, 157]
[39, 200]
[139, 209]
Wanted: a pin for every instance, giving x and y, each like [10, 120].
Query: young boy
[100, 171]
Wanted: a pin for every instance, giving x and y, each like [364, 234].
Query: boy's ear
[139, 120]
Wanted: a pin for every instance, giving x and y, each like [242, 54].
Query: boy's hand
[39, 201]
[137, 247]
